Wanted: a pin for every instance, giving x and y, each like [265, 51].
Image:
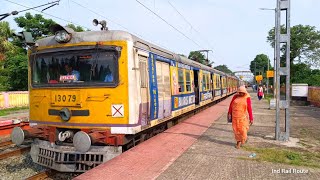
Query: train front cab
[72, 113]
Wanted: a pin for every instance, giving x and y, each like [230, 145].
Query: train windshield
[75, 68]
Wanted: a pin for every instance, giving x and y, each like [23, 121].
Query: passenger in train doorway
[260, 93]
[239, 110]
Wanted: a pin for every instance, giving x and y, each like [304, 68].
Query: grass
[4, 112]
[291, 157]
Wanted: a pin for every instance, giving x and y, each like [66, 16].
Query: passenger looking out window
[71, 71]
[109, 75]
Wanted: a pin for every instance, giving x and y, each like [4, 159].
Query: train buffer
[202, 147]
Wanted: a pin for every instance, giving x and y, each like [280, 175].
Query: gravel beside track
[22, 167]
[18, 167]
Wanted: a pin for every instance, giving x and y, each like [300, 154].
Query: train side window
[188, 81]
[181, 79]
[222, 82]
[203, 82]
[143, 71]
[214, 81]
[208, 81]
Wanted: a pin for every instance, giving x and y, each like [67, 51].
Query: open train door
[196, 86]
[164, 90]
[144, 89]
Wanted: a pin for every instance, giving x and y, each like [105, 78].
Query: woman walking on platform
[239, 109]
[260, 93]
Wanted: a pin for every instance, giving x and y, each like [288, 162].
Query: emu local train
[94, 94]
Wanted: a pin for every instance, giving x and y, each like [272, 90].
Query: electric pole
[283, 5]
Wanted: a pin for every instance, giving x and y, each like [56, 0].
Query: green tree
[314, 79]
[17, 71]
[5, 45]
[4, 85]
[304, 44]
[7, 49]
[304, 74]
[260, 64]
[223, 68]
[37, 24]
[197, 56]
[75, 28]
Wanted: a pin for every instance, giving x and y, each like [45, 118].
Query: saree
[240, 122]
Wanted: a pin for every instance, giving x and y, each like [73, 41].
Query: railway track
[41, 175]
[6, 143]
[15, 151]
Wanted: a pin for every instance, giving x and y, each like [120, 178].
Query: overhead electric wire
[101, 15]
[189, 24]
[39, 6]
[168, 23]
[139, 35]
[48, 14]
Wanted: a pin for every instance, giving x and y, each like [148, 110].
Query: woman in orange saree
[239, 109]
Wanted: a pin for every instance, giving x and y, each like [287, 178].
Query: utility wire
[139, 35]
[189, 24]
[53, 2]
[47, 14]
[102, 16]
[3, 16]
[167, 23]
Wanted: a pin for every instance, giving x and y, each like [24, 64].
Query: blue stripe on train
[182, 100]
[206, 95]
[154, 99]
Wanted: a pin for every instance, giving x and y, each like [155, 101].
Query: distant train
[95, 94]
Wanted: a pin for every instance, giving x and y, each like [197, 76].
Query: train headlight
[62, 36]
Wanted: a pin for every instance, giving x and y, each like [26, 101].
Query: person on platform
[239, 109]
[260, 93]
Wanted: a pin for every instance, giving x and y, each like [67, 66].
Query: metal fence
[14, 99]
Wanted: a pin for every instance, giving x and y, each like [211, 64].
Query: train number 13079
[65, 98]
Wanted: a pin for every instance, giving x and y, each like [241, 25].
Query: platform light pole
[274, 54]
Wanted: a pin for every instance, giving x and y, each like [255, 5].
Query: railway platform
[21, 115]
[202, 147]
[7, 122]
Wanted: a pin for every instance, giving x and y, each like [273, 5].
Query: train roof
[113, 35]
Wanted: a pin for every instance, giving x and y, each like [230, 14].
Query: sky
[235, 30]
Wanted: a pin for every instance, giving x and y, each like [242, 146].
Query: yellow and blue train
[95, 94]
